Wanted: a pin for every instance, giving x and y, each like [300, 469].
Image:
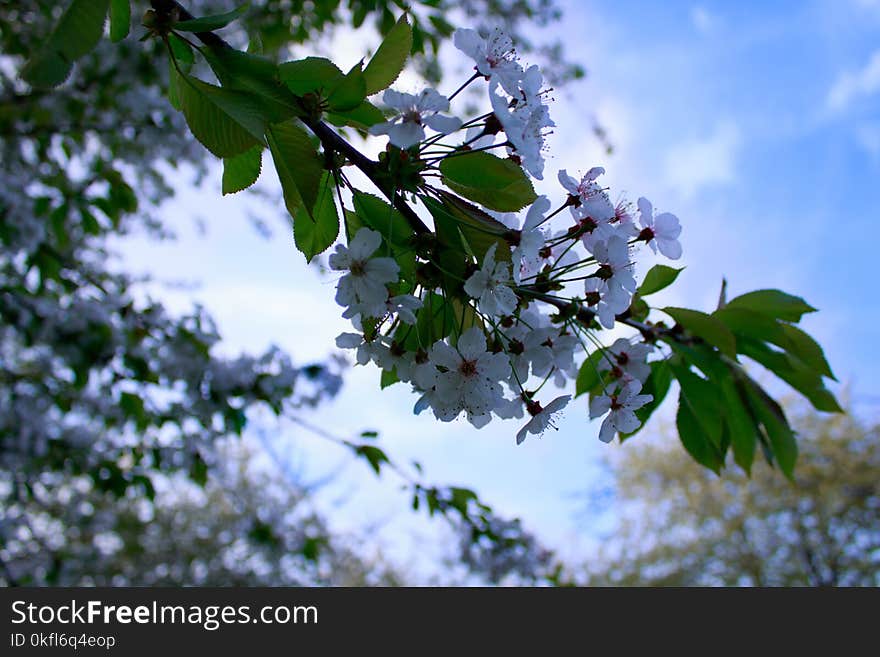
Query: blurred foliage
[248, 526]
[680, 525]
[104, 393]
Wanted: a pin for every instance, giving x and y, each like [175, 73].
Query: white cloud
[691, 165]
[852, 85]
[702, 20]
[868, 137]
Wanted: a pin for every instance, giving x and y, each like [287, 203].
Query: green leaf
[361, 117]
[46, 69]
[776, 426]
[751, 324]
[256, 75]
[435, 320]
[374, 456]
[388, 378]
[390, 58]
[694, 438]
[800, 345]
[182, 51]
[198, 470]
[706, 327]
[314, 232]
[701, 356]
[658, 278]
[120, 19]
[226, 122]
[234, 419]
[211, 23]
[298, 164]
[589, 376]
[703, 399]
[77, 32]
[133, 407]
[350, 92]
[467, 229]
[383, 217]
[242, 171]
[184, 59]
[794, 372]
[460, 498]
[638, 308]
[739, 423]
[255, 44]
[499, 184]
[310, 75]
[773, 303]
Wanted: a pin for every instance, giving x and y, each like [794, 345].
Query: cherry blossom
[626, 360]
[526, 255]
[494, 57]
[414, 113]
[615, 264]
[542, 417]
[490, 286]
[469, 378]
[525, 119]
[404, 306]
[363, 289]
[621, 409]
[586, 188]
[660, 232]
[607, 304]
[374, 349]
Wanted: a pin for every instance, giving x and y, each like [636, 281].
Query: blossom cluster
[516, 339]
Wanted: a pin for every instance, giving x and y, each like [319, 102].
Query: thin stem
[553, 214]
[459, 152]
[464, 86]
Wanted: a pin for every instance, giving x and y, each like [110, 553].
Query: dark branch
[330, 139]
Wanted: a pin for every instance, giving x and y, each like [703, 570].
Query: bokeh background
[756, 123]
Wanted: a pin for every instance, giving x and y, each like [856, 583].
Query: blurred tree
[97, 382]
[248, 526]
[681, 525]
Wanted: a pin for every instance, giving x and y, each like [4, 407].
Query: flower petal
[472, 343]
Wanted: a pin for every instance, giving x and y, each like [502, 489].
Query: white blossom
[542, 417]
[526, 256]
[660, 232]
[607, 304]
[524, 119]
[494, 57]
[620, 408]
[367, 350]
[469, 378]
[363, 289]
[551, 351]
[404, 306]
[586, 188]
[490, 285]
[627, 360]
[615, 267]
[407, 128]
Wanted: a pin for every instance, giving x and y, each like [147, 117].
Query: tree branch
[330, 139]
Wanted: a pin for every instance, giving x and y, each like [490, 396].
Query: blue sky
[756, 123]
